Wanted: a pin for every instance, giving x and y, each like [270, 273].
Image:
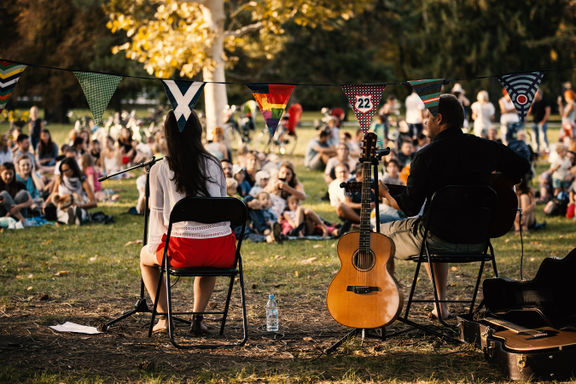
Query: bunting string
[339, 85]
[272, 98]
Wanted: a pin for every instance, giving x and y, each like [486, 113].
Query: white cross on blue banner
[183, 96]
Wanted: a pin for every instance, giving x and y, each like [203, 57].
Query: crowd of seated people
[44, 181]
[32, 174]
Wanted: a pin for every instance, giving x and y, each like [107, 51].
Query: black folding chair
[458, 214]
[205, 210]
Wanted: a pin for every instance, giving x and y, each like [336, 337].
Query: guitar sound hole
[363, 260]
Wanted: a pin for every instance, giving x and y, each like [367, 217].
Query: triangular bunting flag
[183, 96]
[98, 89]
[365, 99]
[429, 91]
[521, 88]
[9, 75]
[272, 99]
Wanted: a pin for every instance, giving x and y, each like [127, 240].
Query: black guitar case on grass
[552, 292]
[529, 330]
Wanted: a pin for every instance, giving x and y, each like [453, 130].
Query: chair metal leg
[243, 303]
[493, 260]
[476, 286]
[226, 305]
[413, 287]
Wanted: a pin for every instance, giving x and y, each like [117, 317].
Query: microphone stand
[141, 305]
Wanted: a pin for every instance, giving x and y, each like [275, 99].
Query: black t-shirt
[127, 145]
[539, 110]
[456, 158]
[12, 188]
[36, 128]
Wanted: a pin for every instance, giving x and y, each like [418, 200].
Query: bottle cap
[271, 296]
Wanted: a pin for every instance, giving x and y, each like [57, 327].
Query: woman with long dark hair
[187, 170]
[47, 150]
[72, 194]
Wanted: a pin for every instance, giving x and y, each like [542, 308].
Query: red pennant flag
[365, 99]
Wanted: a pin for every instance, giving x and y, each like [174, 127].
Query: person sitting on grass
[299, 221]
[560, 170]
[232, 188]
[338, 198]
[525, 217]
[46, 152]
[319, 151]
[72, 194]
[262, 178]
[263, 220]
[28, 176]
[14, 198]
[284, 184]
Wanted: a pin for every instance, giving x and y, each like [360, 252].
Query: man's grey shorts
[407, 235]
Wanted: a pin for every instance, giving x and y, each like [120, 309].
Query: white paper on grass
[76, 328]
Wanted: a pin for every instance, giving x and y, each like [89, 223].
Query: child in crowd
[239, 175]
[262, 178]
[300, 221]
[232, 188]
[263, 219]
[92, 173]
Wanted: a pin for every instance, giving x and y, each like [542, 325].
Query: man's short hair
[451, 110]
[21, 137]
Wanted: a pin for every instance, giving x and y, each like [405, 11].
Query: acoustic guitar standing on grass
[363, 294]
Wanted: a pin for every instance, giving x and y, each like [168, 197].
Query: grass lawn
[90, 275]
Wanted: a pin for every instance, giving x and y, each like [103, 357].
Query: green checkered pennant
[98, 89]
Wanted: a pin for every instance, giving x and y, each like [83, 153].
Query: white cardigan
[163, 197]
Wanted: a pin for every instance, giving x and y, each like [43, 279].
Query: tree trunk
[215, 97]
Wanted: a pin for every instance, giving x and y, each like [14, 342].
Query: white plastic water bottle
[271, 314]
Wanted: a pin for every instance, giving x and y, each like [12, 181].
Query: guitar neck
[510, 326]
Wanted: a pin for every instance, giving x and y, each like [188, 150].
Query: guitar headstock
[369, 145]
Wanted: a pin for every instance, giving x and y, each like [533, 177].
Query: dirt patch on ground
[125, 353]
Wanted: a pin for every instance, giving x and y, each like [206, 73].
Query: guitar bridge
[361, 289]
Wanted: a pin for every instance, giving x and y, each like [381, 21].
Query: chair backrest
[209, 210]
[461, 214]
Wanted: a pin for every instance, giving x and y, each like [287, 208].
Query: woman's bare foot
[161, 326]
[445, 313]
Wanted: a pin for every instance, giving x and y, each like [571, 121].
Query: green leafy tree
[191, 36]
[63, 34]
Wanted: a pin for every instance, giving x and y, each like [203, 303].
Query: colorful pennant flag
[183, 96]
[365, 99]
[98, 89]
[9, 75]
[272, 99]
[521, 88]
[429, 91]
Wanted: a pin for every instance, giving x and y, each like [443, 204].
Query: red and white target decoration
[365, 99]
[521, 88]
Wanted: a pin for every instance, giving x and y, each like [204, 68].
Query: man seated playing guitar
[452, 157]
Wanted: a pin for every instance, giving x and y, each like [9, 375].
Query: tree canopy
[299, 41]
